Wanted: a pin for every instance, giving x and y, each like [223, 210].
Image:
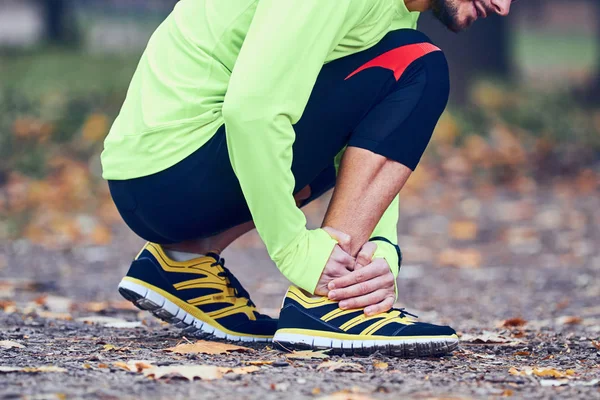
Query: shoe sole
[406, 348]
[148, 300]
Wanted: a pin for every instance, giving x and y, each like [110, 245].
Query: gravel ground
[532, 296]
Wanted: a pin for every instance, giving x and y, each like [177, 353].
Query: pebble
[280, 364]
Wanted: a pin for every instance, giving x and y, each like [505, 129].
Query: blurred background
[510, 179]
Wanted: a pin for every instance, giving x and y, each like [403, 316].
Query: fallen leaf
[513, 323]
[316, 391]
[488, 338]
[340, 366]
[258, 362]
[109, 347]
[549, 372]
[542, 372]
[102, 365]
[380, 365]
[478, 355]
[8, 344]
[87, 366]
[569, 320]
[133, 365]
[596, 344]
[308, 354]
[190, 372]
[507, 393]
[47, 368]
[523, 353]
[206, 347]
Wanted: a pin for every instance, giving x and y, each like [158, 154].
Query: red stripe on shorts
[397, 60]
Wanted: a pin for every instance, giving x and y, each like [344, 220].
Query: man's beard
[447, 13]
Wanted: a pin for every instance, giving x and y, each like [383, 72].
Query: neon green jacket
[251, 65]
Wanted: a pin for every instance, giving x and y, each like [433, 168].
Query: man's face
[458, 15]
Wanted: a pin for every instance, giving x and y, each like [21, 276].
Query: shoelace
[239, 290]
[403, 312]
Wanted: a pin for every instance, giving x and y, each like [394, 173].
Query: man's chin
[458, 27]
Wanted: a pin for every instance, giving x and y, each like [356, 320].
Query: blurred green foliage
[48, 96]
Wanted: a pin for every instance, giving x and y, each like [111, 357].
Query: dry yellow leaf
[340, 366]
[542, 372]
[122, 365]
[316, 391]
[507, 393]
[109, 347]
[134, 365]
[307, 354]
[102, 365]
[380, 365]
[548, 372]
[463, 230]
[206, 347]
[259, 362]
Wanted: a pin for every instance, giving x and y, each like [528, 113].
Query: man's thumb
[342, 238]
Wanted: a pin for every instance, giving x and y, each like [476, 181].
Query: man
[242, 111]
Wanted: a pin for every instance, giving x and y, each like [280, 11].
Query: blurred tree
[59, 21]
[484, 50]
[594, 92]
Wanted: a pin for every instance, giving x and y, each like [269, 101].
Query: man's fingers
[382, 307]
[362, 288]
[343, 258]
[342, 238]
[361, 275]
[364, 301]
[365, 255]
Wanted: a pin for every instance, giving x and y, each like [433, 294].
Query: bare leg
[366, 185]
[214, 244]
[218, 243]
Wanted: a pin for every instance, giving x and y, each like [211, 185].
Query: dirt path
[533, 262]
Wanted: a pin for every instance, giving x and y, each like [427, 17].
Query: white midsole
[353, 344]
[186, 318]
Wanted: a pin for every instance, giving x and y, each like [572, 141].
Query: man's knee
[437, 88]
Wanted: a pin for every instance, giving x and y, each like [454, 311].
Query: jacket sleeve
[280, 59]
